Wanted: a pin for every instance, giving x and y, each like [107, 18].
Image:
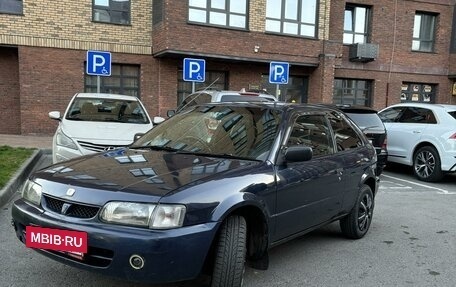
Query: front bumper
[169, 255]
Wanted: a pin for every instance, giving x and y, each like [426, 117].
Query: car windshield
[107, 110]
[245, 132]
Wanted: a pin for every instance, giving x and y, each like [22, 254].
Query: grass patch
[11, 160]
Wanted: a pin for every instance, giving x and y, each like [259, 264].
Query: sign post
[98, 64]
[194, 71]
[278, 74]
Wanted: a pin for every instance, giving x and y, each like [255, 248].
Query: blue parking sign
[194, 70]
[278, 72]
[98, 63]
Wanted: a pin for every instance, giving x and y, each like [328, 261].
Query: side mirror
[157, 120]
[55, 115]
[137, 136]
[298, 153]
[170, 113]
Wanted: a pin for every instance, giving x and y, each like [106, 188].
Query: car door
[309, 192]
[354, 149]
[405, 131]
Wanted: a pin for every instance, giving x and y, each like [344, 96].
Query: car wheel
[426, 164]
[356, 224]
[230, 253]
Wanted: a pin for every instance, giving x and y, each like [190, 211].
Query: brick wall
[68, 24]
[50, 77]
[10, 116]
[396, 62]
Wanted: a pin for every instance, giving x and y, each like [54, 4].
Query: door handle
[416, 132]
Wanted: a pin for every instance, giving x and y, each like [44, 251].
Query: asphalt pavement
[40, 158]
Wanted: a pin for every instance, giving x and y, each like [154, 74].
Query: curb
[15, 183]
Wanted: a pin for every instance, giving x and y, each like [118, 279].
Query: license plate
[73, 243]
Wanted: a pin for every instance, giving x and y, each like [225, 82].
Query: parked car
[95, 122]
[206, 190]
[423, 136]
[370, 123]
[213, 96]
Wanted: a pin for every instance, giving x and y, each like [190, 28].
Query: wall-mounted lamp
[256, 49]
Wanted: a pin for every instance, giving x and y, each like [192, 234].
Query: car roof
[356, 109]
[242, 92]
[282, 106]
[106, 96]
[446, 107]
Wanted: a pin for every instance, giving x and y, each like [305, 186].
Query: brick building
[374, 53]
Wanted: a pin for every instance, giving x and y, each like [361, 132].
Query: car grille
[69, 208]
[98, 257]
[97, 147]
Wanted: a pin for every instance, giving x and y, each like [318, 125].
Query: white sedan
[423, 136]
[95, 122]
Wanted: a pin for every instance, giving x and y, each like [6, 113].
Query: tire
[356, 224]
[427, 165]
[230, 253]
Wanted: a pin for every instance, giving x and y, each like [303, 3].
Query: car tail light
[384, 144]
[453, 136]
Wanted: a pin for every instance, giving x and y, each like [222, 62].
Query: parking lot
[411, 243]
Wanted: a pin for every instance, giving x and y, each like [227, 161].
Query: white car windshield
[246, 132]
[107, 110]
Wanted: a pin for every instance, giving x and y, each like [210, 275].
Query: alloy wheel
[365, 212]
[425, 164]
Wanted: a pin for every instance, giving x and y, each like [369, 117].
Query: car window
[453, 114]
[346, 137]
[312, 131]
[107, 110]
[390, 115]
[417, 115]
[366, 120]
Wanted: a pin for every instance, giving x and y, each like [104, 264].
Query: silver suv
[211, 96]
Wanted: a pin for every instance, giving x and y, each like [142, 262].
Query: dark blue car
[210, 189]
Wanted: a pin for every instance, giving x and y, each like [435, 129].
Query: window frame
[344, 88]
[412, 92]
[354, 18]
[108, 9]
[298, 21]
[319, 121]
[208, 9]
[12, 12]
[420, 39]
[121, 89]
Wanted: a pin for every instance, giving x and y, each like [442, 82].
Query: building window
[124, 80]
[225, 13]
[296, 91]
[417, 92]
[352, 92]
[294, 17]
[219, 81]
[356, 24]
[11, 6]
[111, 11]
[424, 32]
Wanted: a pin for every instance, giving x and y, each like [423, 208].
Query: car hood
[103, 132]
[142, 172]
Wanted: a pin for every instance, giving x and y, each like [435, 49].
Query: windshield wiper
[155, 147]
[368, 128]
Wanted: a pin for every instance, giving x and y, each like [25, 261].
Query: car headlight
[153, 216]
[32, 192]
[64, 140]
